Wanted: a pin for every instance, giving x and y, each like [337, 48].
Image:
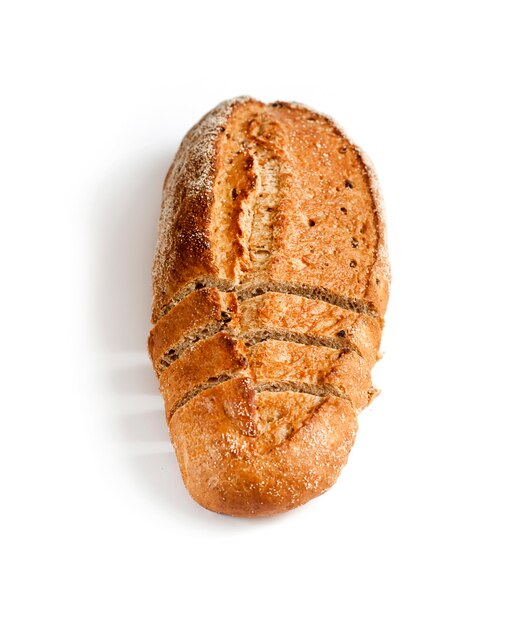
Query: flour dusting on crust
[194, 166]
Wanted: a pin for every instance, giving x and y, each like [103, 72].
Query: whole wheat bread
[270, 283]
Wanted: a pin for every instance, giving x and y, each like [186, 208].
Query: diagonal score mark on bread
[250, 339]
[263, 425]
[270, 365]
[254, 413]
[269, 316]
[270, 286]
[228, 470]
[245, 292]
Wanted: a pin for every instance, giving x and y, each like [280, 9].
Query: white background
[97, 527]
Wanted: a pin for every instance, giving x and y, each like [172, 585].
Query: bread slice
[270, 285]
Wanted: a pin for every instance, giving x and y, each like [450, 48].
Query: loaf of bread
[270, 283]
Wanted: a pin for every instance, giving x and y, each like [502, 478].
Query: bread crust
[228, 472]
[201, 313]
[270, 283]
[187, 239]
[313, 318]
[201, 364]
[344, 373]
[184, 248]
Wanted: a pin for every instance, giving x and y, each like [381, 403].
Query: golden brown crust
[184, 250]
[344, 373]
[199, 365]
[325, 221]
[270, 284]
[231, 473]
[323, 230]
[312, 317]
[208, 309]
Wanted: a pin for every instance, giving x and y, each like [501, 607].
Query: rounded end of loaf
[233, 463]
